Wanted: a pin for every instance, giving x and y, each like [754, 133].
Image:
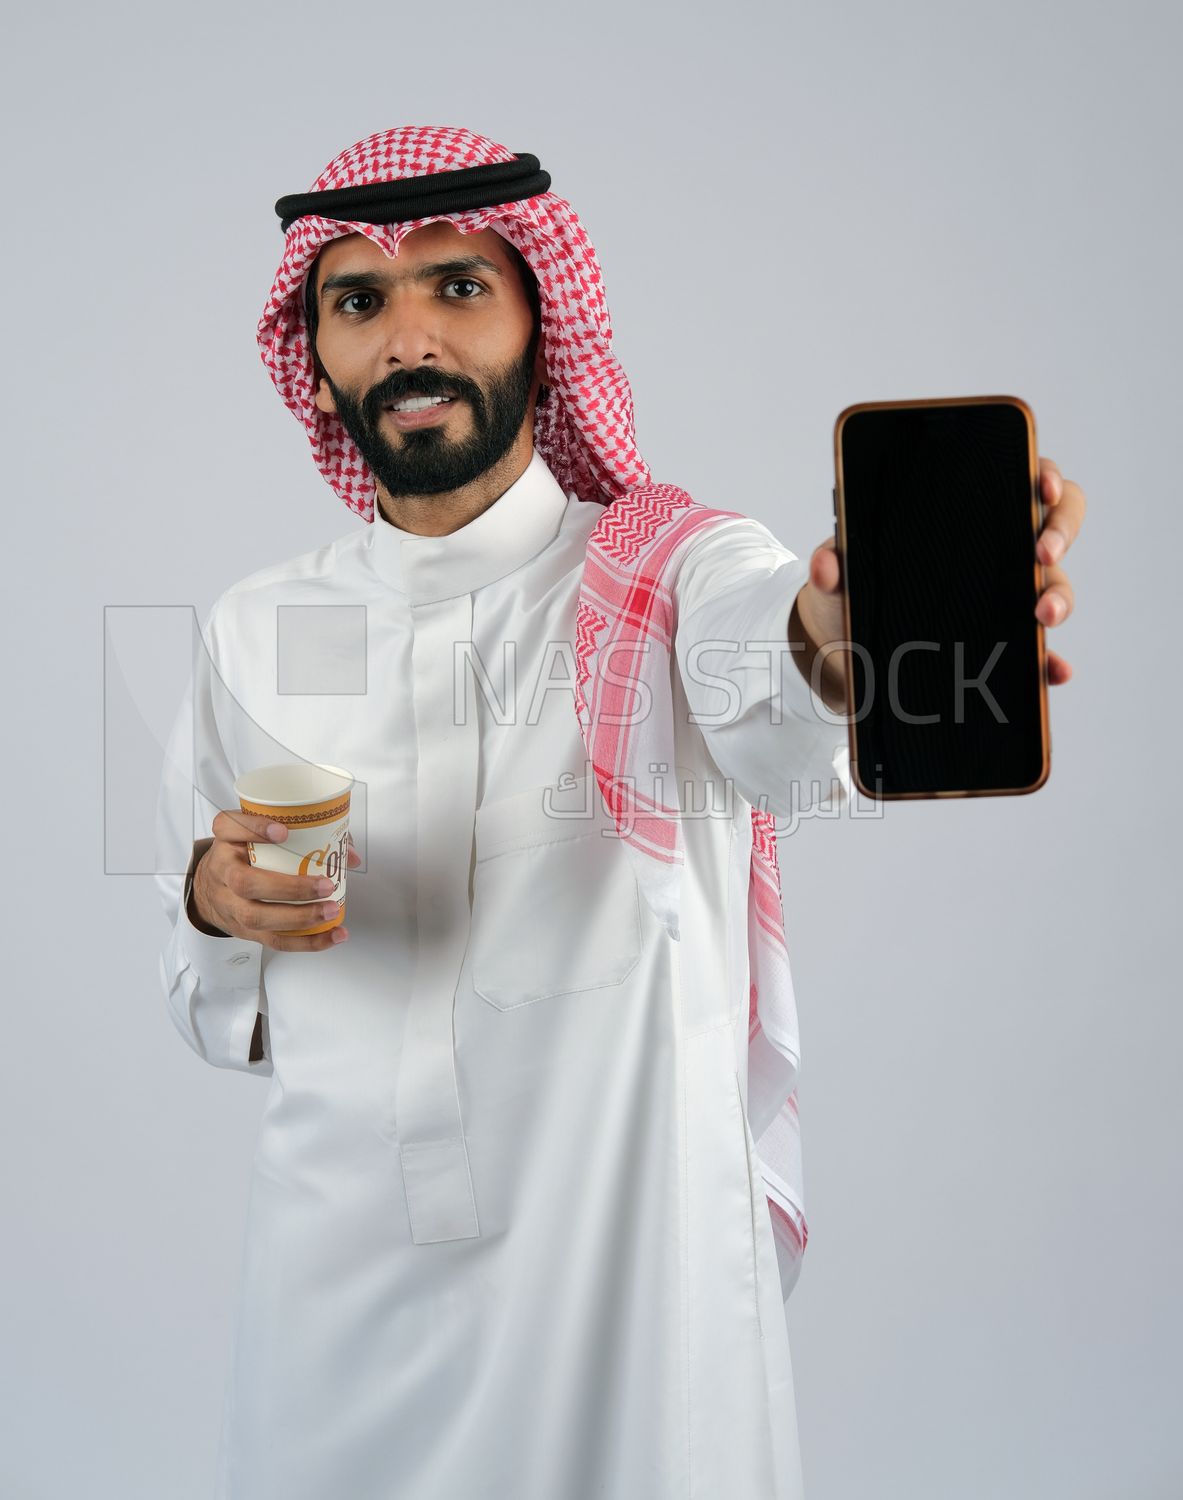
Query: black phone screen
[940, 517]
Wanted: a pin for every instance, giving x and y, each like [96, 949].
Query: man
[526, 1200]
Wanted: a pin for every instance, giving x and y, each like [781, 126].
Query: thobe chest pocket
[555, 904]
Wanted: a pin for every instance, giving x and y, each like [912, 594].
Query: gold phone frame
[1037, 515]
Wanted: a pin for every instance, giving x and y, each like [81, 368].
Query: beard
[427, 461]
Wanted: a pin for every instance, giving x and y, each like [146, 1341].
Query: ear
[324, 398]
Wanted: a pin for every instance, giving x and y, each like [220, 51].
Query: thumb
[825, 570]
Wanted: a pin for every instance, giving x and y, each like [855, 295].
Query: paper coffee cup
[312, 803]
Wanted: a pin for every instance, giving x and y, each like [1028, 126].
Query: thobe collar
[515, 528]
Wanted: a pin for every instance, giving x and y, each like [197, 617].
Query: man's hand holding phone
[819, 602]
[230, 897]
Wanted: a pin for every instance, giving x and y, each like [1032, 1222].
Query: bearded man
[526, 1203]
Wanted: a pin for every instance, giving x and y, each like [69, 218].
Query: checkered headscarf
[625, 615]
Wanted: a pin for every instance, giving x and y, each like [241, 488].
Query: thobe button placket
[430, 1130]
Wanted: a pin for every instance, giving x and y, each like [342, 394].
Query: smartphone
[936, 511]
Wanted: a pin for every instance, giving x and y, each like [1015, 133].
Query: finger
[1057, 600]
[353, 856]
[259, 919]
[825, 570]
[317, 942]
[237, 827]
[253, 883]
[1058, 670]
[1051, 481]
[1062, 520]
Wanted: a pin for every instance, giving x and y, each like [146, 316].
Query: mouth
[420, 411]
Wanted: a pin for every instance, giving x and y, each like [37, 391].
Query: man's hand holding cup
[279, 883]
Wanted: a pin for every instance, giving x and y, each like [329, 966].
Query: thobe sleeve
[212, 985]
[763, 725]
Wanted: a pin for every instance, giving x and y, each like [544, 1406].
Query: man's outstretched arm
[765, 729]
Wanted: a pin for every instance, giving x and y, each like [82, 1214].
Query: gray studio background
[796, 208]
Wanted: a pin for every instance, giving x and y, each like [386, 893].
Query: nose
[411, 331]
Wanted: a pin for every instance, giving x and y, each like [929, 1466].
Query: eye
[464, 281]
[350, 297]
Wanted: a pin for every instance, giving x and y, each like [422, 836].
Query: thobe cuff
[215, 990]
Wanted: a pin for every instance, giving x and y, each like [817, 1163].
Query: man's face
[448, 316]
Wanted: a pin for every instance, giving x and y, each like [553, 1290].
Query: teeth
[419, 403]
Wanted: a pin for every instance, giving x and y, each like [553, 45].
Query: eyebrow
[352, 281]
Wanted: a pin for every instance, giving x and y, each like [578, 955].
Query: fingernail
[276, 831]
[324, 886]
[330, 910]
[339, 935]
[1053, 542]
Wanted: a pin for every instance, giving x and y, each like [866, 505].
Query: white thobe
[506, 1236]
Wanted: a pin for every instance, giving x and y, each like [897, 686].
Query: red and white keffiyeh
[625, 616]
